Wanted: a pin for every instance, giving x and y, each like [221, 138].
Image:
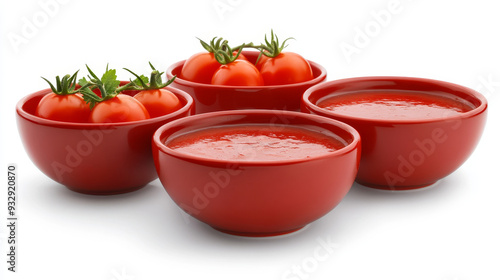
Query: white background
[447, 232]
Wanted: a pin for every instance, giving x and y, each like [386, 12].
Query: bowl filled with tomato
[256, 172]
[219, 79]
[103, 150]
[414, 131]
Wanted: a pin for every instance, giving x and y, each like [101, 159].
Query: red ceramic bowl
[93, 158]
[407, 154]
[210, 98]
[257, 198]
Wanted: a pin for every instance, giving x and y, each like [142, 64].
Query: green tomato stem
[64, 86]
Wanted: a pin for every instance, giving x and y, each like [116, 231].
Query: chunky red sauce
[255, 142]
[394, 105]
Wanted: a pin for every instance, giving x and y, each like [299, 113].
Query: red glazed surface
[412, 153]
[257, 198]
[93, 158]
[210, 98]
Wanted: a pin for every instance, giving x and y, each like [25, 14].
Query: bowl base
[258, 234]
[104, 192]
[396, 188]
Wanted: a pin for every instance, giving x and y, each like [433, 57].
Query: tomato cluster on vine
[103, 100]
[223, 65]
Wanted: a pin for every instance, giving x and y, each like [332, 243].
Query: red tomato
[66, 108]
[238, 73]
[199, 68]
[158, 102]
[286, 68]
[97, 91]
[261, 61]
[241, 56]
[121, 108]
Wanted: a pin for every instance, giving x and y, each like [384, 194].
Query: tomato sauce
[256, 142]
[394, 105]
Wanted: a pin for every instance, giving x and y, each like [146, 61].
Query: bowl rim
[158, 136]
[470, 92]
[42, 121]
[315, 80]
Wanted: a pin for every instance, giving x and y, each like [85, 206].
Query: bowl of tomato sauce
[210, 98]
[256, 172]
[93, 158]
[414, 131]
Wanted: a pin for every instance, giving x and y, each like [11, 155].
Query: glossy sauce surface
[255, 142]
[394, 105]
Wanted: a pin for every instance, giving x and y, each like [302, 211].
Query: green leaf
[141, 80]
[109, 82]
[83, 82]
[88, 95]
